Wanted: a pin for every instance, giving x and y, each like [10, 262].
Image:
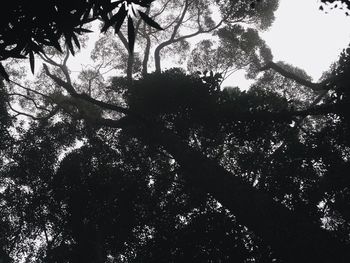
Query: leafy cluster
[27, 27]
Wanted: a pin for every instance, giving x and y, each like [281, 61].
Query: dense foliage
[26, 28]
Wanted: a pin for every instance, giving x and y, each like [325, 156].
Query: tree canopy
[167, 166]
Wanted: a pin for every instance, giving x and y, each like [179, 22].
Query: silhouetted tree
[219, 144]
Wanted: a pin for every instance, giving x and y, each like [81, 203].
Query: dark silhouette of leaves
[116, 20]
[168, 176]
[76, 41]
[3, 73]
[32, 61]
[28, 28]
[150, 21]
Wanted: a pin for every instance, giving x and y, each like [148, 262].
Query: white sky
[306, 37]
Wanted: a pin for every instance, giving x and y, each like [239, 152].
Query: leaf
[70, 45]
[131, 34]
[54, 39]
[120, 21]
[31, 61]
[86, 13]
[76, 41]
[3, 73]
[37, 48]
[111, 6]
[82, 30]
[117, 19]
[150, 21]
[57, 45]
[133, 10]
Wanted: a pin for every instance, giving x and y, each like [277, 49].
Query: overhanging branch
[314, 86]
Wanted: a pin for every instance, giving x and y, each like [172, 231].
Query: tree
[184, 20]
[200, 14]
[189, 128]
[161, 107]
[238, 49]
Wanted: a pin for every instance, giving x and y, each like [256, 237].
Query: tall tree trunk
[146, 56]
[129, 69]
[130, 62]
[157, 59]
[157, 51]
[148, 46]
[291, 235]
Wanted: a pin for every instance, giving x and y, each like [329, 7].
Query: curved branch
[314, 86]
[181, 18]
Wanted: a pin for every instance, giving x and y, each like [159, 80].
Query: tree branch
[181, 18]
[51, 114]
[29, 99]
[314, 86]
[71, 90]
[31, 90]
[161, 10]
